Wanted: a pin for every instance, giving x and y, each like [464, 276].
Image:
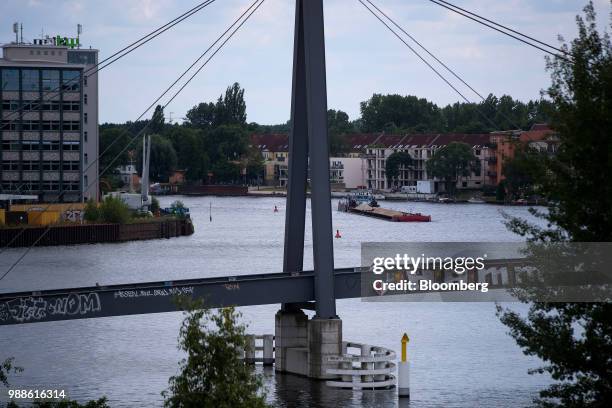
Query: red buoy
[275, 209]
[338, 234]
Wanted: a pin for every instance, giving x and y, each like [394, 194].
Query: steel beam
[156, 297]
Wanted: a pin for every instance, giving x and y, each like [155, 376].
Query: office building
[49, 127]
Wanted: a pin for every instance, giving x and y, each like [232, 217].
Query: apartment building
[421, 147]
[49, 120]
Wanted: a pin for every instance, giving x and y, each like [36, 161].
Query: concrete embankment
[73, 234]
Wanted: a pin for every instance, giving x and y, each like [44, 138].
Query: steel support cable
[259, 3]
[426, 62]
[143, 40]
[503, 32]
[505, 27]
[443, 64]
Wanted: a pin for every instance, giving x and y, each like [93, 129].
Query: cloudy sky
[362, 56]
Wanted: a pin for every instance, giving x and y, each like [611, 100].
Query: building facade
[421, 148]
[49, 121]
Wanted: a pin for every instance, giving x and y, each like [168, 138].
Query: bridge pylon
[303, 345]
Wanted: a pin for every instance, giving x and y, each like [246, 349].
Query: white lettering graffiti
[37, 308]
[187, 290]
[73, 215]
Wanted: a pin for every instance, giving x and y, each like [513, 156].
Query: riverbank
[74, 234]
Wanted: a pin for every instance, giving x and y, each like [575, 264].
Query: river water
[461, 355]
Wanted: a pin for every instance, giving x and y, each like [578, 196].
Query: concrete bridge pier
[303, 346]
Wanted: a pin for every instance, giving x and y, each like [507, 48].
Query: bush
[177, 205]
[154, 205]
[113, 210]
[92, 212]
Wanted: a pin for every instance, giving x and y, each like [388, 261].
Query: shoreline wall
[94, 233]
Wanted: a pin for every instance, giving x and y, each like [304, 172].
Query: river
[461, 355]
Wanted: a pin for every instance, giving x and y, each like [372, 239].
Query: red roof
[272, 142]
[279, 142]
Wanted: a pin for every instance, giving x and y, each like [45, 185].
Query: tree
[575, 339]
[227, 142]
[158, 121]
[113, 141]
[231, 109]
[163, 158]
[394, 161]
[524, 171]
[399, 112]
[212, 375]
[451, 162]
[225, 171]
[339, 125]
[202, 116]
[190, 151]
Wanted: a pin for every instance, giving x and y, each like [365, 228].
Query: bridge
[303, 345]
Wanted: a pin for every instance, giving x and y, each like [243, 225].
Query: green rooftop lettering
[69, 42]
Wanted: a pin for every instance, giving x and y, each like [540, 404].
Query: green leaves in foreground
[212, 375]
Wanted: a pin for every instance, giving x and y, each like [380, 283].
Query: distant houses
[364, 162]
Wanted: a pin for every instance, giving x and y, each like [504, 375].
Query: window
[71, 81]
[29, 80]
[50, 145]
[50, 80]
[70, 166]
[29, 145]
[70, 105]
[85, 99]
[30, 125]
[85, 160]
[31, 166]
[50, 106]
[9, 125]
[71, 186]
[50, 165]
[50, 125]
[10, 80]
[82, 57]
[71, 125]
[70, 146]
[10, 145]
[85, 80]
[10, 105]
[50, 185]
[85, 117]
[10, 165]
[85, 136]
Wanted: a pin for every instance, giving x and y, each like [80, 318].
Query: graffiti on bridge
[34, 308]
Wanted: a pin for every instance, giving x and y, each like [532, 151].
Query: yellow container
[2, 216]
[43, 217]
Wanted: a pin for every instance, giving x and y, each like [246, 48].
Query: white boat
[475, 200]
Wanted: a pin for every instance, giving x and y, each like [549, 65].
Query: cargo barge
[382, 213]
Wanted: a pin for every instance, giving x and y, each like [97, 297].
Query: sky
[362, 57]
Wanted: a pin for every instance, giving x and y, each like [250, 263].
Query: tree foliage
[410, 114]
[92, 212]
[575, 339]
[114, 211]
[451, 162]
[6, 367]
[394, 161]
[524, 172]
[212, 375]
